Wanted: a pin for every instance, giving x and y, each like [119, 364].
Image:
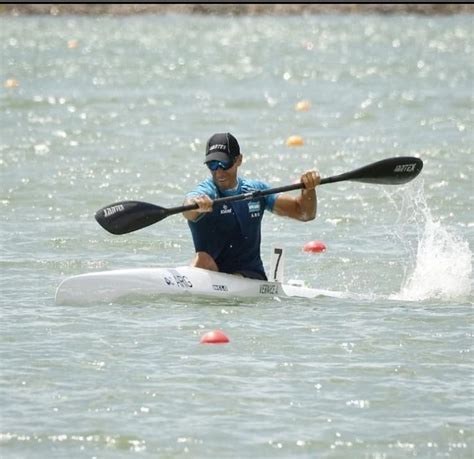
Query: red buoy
[315, 246]
[214, 337]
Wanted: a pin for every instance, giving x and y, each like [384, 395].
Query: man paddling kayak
[227, 236]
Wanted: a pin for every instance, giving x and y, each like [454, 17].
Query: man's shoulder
[207, 186]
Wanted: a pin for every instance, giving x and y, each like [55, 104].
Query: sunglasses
[224, 165]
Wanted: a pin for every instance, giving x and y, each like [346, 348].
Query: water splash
[443, 260]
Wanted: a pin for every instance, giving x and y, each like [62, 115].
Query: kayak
[122, 284]
[110, 286]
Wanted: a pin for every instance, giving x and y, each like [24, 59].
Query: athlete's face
[227, 179]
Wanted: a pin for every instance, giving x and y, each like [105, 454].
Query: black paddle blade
[394, 171]
[127, 216]
[390, 171]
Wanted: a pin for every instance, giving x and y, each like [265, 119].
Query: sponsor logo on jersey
[254, 209]
[226, 209]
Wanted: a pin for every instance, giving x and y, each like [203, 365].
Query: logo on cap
[218, 146]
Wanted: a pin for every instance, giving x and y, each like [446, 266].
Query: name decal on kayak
[405, 168]
[271, 289]
[177, 280]
[113, 210]
[220, 288]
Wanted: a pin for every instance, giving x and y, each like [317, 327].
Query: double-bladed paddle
[127, 216]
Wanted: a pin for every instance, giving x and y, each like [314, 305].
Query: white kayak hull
[109, 286]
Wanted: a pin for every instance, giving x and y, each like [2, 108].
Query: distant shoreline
[251, 9]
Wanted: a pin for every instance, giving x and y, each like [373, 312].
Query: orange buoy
[214, 337]
[294, 141]
[315, 247]
[71, 44]
[303, 106]
[11, 83]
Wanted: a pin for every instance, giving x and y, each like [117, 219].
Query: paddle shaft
[239, 197]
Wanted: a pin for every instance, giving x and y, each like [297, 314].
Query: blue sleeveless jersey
[231, 232]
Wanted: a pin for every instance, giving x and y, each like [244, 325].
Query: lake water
[98, 110]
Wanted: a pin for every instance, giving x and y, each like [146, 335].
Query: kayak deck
[109, 286]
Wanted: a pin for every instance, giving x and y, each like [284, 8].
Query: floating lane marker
[315, 247]
[11, 83]
[303, 106]
[294, 141]
[214, 337]
[71, 44]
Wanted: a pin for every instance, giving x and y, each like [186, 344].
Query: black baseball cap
[222, 147]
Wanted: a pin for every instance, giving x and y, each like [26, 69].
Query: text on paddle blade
[108, 211]
[405, 168]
